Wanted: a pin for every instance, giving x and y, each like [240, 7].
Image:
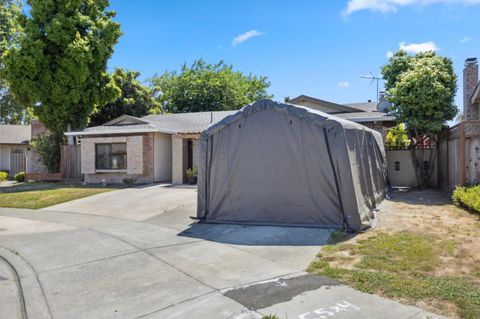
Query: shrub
[129, 181]
[468, 197]
[3, 176]
[191, 172]
[20, 177]
[48, 147]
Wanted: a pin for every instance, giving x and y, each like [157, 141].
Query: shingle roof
[187, 122]
[15, 134]
[366, 107]
[181, 123]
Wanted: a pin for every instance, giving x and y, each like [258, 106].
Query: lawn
[40, 195]
[423, 252]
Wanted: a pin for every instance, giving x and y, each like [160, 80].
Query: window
[111, 156]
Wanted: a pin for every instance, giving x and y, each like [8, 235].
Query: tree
[59, 66]
[207, 87]
[397, 137]
[11, 112]
[135, 99]
[422, 90]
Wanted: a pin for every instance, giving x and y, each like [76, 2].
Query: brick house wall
[139, 158]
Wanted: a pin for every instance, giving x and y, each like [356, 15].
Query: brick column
[470, 81]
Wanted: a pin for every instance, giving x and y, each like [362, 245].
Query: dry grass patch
[424, 251]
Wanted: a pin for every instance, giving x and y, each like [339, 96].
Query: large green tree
[422, 90]
[207, 87]
[11, 112]
[59, 66]
[135, 99]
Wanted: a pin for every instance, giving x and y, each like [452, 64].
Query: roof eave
[373, 119]
[118, 132]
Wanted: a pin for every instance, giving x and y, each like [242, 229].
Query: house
[16, 153]
[154, 148]
[14, 140]
[371, 114]
[160, 148]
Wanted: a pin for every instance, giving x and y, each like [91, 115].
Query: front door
[17, 160]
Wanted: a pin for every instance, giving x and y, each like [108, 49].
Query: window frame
[110, 170]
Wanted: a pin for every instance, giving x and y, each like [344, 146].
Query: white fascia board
[119, 132]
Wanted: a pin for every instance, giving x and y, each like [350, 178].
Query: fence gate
[17, 160]
[70, 166]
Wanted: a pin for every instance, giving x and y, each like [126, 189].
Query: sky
[317, 48]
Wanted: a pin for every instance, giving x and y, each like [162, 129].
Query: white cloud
[392, 5]
[344, 84]
[245, 36]
[415, 47]
[419, 47]
[465, 39]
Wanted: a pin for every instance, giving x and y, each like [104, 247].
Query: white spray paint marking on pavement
[323, 313]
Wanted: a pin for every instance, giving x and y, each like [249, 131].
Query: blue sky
[318, 48]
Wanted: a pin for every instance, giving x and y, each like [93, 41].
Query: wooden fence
[70, 165]
[458, 155]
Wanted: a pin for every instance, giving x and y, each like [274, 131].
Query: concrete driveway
[135, 253]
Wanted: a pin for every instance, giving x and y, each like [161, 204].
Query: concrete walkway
[145, 258]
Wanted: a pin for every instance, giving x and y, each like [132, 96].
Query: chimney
[470, 81]
[37, 128]
[382, 96]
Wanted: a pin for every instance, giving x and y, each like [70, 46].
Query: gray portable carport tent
[280, 164]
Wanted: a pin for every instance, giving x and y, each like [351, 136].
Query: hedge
[468, 197]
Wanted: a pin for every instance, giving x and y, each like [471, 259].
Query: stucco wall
[177, 159]
[139, 159]
[162, 157]
[403, 174]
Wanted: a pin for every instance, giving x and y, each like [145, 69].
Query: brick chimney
[470, 81]
[37, 128]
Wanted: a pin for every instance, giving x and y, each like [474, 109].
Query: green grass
[400, 266]
[40, 195]
[468, 197]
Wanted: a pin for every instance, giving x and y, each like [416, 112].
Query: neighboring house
[16, 155]
[371, 114]
[155, 148]
[14, 140]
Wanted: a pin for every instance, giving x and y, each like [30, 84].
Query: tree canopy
[11, 112]
[422, 90]
[207, 87]
[59, 66]
[135, 99]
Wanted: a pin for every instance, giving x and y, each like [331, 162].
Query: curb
[34, 299]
